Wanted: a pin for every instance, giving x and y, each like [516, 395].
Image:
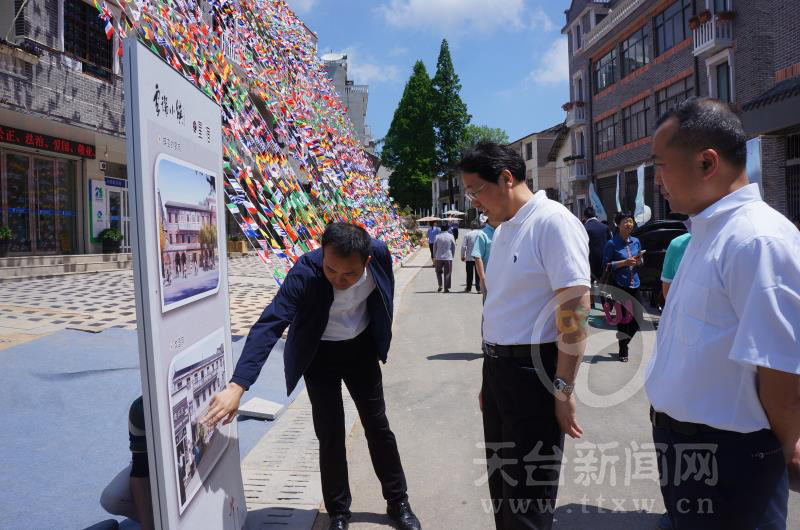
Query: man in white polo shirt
[540, 272]
[723, 382]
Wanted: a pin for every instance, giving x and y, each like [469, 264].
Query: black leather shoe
[401, 515]
[339, 522]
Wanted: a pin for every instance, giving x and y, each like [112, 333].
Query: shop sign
[11, 135]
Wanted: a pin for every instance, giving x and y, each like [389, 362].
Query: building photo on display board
[187, 231]
[195, 375]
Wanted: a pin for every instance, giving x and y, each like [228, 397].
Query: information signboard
[175, 159]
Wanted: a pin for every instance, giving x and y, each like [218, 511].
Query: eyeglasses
[472, 195]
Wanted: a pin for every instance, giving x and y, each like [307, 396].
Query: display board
[180, 273]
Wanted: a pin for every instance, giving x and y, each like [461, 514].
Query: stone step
[46, 271]
[67, 259]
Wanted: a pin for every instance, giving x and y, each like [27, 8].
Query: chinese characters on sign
[11, 135]
[175, 110]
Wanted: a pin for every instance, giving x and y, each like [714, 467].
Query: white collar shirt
[733, 306]
[348, 316]
[541, 249]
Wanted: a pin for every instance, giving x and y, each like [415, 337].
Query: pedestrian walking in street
[724, 379]
[481, 252]
[623, 253]
[337, 302]
[599, 234]
[537, 301]
[444, 250]
[433, 231]
[467, 246]
[454, 229]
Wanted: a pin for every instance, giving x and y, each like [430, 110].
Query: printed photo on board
[187, 231]
[195, 375]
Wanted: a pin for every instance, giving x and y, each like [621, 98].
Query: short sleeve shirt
[733, 306]
[483, 245]
[674, 256]
[541, 249]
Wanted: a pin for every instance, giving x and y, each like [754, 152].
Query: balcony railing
[712, 36]
[576, 113]
[577, 170]
[615, 16]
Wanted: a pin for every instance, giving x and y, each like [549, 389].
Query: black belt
[497, 351]
[664, 421]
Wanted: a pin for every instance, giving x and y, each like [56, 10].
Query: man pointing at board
[337, 303]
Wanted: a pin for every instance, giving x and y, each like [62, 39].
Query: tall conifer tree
[450, 116]
[410, 145]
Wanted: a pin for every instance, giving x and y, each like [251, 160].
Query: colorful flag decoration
[292, 161]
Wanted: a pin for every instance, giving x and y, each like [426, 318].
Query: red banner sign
[10, 135]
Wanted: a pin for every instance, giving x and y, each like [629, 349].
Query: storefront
[39, 191]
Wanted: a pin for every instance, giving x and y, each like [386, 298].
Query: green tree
[450, 115]
[480, 133]
[410, 145]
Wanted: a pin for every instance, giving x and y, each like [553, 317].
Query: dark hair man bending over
[533, 330]
[337, 303]
[724, 380]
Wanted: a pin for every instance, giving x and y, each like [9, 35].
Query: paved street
[431, 384]
[30, 309]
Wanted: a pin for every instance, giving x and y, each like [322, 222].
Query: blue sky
[509, 54]
[180, 183]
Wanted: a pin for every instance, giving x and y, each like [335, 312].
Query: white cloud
[301, 6]
[364, 70]
[541, 22]
[398, 51]
[553, 65]
[479, 15]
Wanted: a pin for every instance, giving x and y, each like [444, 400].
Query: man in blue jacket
[337, 303]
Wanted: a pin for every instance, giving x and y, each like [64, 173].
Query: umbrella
[428, 219]
[454, 212]
[451, 219]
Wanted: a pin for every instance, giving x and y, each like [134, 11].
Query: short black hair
[488, 160]
[707, 123]
[346, 239]
[445, 226]
[621, 216]
[589, 212]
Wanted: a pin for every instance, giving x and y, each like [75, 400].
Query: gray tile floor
[96, 302]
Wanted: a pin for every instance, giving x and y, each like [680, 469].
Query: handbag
[605, 282]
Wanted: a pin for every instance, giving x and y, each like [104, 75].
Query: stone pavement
[95, 302]
[431, 385]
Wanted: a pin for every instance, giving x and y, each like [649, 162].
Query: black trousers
[356, 363]
[430, 246]
[629, 322]
[470, 275]
[723, 480]
[524, 444]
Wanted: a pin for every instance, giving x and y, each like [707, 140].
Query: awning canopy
[775, 109]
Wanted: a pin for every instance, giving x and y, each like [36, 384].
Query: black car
[655, 238]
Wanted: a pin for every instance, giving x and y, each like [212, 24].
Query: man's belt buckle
[489, 350]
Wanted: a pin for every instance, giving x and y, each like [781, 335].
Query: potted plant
[705, 16]
[567, 106]
[579, 104]
[112, 240]
[237, 244]
[694, 22]
[5, 240]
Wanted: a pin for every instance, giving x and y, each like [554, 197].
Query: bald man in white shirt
[724, 381]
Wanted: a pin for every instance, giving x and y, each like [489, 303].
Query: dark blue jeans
[723, 480]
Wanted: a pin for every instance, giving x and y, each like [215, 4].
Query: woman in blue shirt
[623, 254]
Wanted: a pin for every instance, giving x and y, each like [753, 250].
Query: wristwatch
[562, 386]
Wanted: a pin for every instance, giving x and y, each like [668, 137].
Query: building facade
[62, 153]
[632, 60]
[540, 172]
[353, 97]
